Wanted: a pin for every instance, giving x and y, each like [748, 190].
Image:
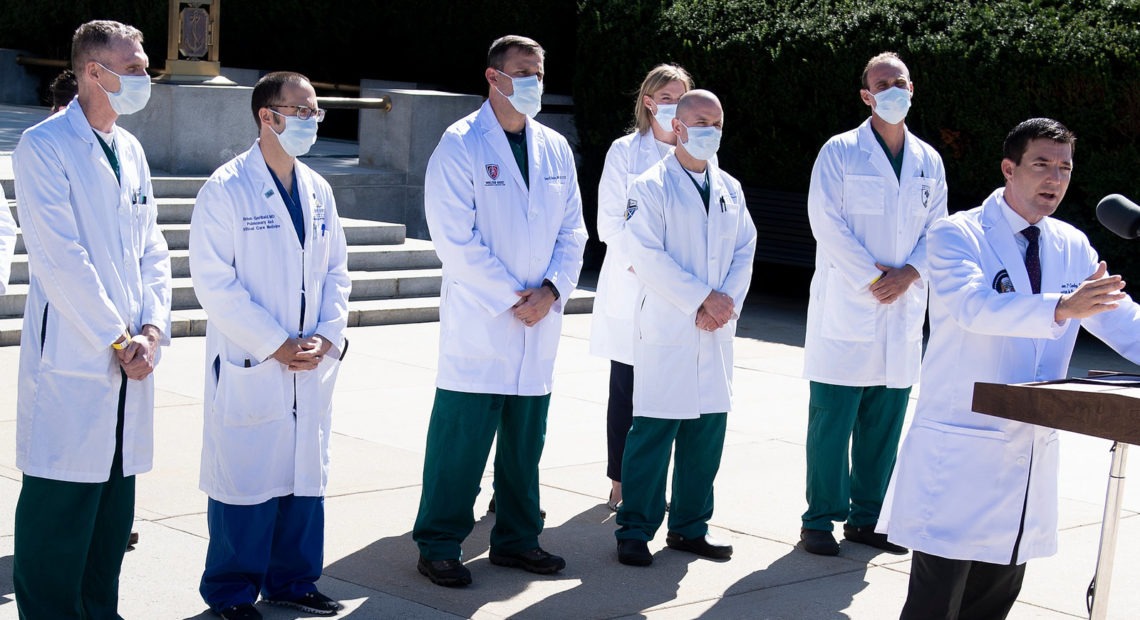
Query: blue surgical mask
[298, 136]
[527, 97]
[892, 104]
[665, 114]
[703, 142]
[134, 92]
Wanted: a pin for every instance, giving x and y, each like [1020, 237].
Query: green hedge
[788, 74]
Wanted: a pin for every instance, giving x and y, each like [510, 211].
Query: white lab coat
[99, 265]
[680, 255]
[249, 272]
[611, 327]
[496, 238]
[961, 478]
[861, 214]
[7, 242]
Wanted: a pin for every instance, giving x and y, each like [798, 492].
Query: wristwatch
[553, 289]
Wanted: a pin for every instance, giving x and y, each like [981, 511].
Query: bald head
[699, 103]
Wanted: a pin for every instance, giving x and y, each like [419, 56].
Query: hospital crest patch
[925, 196]
[493, 171]
[1002, 283]
[630, 209]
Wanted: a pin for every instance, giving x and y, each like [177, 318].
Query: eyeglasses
[304, 112]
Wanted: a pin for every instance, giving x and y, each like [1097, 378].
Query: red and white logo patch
[493, 171]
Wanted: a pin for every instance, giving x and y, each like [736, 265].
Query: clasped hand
[137, 359]
[715, 311]
[533, 305]
[302, 354]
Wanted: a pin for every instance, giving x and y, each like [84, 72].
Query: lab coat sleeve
[1119, 328]
[566, 259]
[918, 258]
[958, 280]
[449, 207]
[827, 215]
[226, 301]
[61, 264]
[334, 302]
[653, 265]
[739, 277]
[7, 242]
[612, 200]
[154, 265]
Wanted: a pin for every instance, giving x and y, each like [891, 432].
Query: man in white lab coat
[270, 267]
[502, 204]
[691, 243]
[975, 496]
[7, 242]
[98, 309]
[875, 190]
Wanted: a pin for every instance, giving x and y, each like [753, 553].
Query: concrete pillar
[403, 139]
[17, 86]
[193, 129]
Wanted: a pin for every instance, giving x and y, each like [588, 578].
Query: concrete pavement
[383, 402]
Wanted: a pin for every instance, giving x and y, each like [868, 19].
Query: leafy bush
[788, 74]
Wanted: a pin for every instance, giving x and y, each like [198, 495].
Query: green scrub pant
[69, 545]
[459, 438]
[645, 465]
[849, 486]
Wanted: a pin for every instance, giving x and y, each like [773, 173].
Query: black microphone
[1120, 215]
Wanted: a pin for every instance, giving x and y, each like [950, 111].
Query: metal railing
[356, 103]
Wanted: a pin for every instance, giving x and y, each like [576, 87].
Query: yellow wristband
[119, 346]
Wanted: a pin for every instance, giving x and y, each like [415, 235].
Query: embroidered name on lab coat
[1069, 287]
[266, 221]
[493, 175]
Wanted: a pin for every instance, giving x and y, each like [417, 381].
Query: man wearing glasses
[269, 263]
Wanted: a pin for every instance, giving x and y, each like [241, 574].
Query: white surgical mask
[298, 136]
[134, 92]
[703, 142]
[892, 104]
[527, 97]
[665, 114]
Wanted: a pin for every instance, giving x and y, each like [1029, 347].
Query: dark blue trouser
[275, 548]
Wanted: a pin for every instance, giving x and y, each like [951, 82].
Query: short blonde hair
[879, 59]
[95, 36]
[654, 81]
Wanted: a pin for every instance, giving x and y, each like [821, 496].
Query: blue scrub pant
[275, 548]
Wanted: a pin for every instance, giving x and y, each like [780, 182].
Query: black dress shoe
[244, 611]
[634, 552]
[536, 561]
[867, 535]
[706, 546]
[491, 508]
[447, 573]
[819, 542]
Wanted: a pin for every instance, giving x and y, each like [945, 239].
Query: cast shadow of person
[6, 585]
[797, 586]
[600, 586]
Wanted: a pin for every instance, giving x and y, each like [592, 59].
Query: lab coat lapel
[1052, 253]
[86, 133]
[494, 135]
[267, 188]
[1001, 241]
[647, 153]
[535, 153]
[912, 158]
[874, 153]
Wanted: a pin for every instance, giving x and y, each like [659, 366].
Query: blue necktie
[1033, 258]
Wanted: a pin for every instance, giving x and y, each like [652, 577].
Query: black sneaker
[867, 535]
[447, 573]
[819, 542]
[311, 603]
[634, 552]
[244, 611]
[536, 561]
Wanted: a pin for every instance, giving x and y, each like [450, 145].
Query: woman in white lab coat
[611, 333]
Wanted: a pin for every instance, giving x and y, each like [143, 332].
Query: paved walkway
[383, 401]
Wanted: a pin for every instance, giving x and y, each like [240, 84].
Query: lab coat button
[1021, 460]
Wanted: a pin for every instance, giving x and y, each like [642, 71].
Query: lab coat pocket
[848, 313]
[465, 325]
[660, 323]
[864, 195]
[251, 396]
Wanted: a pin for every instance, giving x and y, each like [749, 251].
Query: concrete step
[356, 232]
[176, 187]
[192, 322]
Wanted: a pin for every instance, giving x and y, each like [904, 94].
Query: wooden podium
[1105, 405]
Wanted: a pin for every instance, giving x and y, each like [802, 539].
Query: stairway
[394, 279]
